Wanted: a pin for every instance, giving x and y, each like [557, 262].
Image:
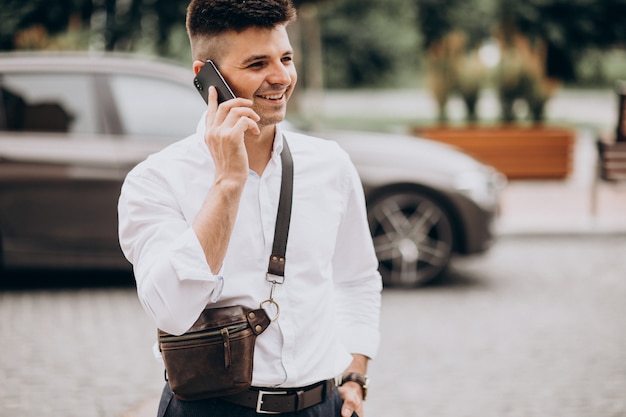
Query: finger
[211, 106]
[235, 113]
[347, 412]
[348, 408]
[212, 100]
[352, 403]
[242, 119]
[235, 103]
[229, 112]
[247, 124]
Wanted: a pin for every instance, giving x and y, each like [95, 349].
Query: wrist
[357, 378]
[229, 187]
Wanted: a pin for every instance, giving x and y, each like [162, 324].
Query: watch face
[365, 387]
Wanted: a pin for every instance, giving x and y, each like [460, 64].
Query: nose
[281, 74]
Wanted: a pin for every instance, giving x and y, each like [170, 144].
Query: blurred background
[532, 327]
[523, 52]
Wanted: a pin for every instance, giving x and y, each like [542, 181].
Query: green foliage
[601, 68]
[128, 25]
[570, 27]
[367, 42]
[19, 14]
[436, 18]
[575, 24]
[475, 18]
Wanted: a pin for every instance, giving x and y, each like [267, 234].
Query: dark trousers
[170, 406]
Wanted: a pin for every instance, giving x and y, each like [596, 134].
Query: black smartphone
[210, 76]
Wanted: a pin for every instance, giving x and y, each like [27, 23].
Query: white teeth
[278, 97]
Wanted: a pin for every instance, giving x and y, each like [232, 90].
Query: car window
[47, 103]
[154, 107]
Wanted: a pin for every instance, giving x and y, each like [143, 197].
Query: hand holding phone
[210, 76]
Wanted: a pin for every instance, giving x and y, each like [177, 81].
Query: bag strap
[276, 265]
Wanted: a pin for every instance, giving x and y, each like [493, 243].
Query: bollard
[620, 88]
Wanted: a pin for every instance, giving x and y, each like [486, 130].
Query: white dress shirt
[330, 300]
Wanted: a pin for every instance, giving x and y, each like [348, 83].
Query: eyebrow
[262, 57]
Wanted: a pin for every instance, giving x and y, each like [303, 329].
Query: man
[197, 223]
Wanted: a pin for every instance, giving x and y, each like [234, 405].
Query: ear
[197, 66]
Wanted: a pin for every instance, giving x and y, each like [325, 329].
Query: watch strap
[360, 379]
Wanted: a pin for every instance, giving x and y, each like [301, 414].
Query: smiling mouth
[273, 97]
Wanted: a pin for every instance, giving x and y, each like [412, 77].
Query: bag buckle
[275, 279]
[270, 305]
[259, 401]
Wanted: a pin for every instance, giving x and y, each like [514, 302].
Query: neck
[259, 148]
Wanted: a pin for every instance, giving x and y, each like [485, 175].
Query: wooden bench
[536, 152]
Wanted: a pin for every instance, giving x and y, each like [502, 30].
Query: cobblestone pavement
[82, 353]
[534, 328]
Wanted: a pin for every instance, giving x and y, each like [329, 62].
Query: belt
[282, 400]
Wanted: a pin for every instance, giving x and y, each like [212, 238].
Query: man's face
[258, 65]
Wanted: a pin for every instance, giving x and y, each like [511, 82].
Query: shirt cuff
[189, 262]
[355, 342]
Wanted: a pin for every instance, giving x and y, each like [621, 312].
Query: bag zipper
[235, 328]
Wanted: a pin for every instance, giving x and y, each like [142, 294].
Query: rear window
[47, 103]
[150, 107]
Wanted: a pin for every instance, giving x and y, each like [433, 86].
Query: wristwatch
[360, 379]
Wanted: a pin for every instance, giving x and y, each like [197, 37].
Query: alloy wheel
[413, 237]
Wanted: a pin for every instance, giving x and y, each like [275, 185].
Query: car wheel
[413, 237]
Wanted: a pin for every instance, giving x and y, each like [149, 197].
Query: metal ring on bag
[273, 303]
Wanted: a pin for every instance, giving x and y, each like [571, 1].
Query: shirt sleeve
[174, 281]
[357, 280]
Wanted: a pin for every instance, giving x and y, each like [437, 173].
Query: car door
[58, 172]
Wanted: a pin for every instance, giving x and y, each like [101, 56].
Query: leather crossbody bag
[214, 358]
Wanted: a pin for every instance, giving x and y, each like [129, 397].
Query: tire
[413, 237]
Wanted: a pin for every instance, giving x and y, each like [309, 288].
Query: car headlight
[481, 186]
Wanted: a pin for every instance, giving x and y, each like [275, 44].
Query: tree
[108, 24]
[452, 30]
[367, 42]
[542, 41]
[17, 15]
[568, 27]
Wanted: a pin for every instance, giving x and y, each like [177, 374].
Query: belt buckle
[259, 401]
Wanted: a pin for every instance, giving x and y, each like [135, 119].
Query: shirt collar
[278, 140]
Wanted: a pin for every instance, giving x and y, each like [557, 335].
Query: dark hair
[213, 17]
